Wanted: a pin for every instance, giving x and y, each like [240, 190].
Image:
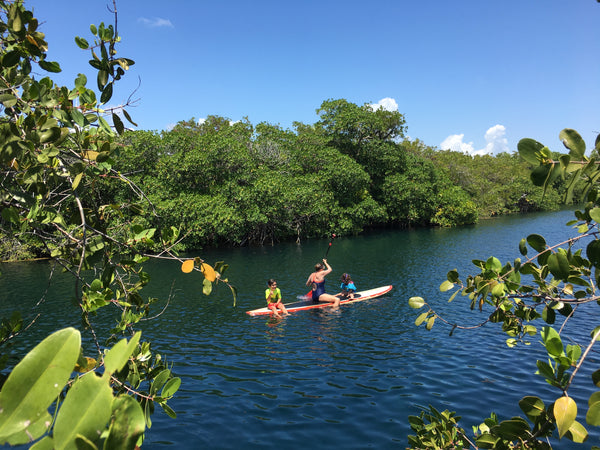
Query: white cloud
[456, 144]
[387, 104]
[155, 22]
[496, 142]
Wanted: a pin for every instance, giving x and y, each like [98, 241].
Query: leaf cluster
[560, 278]
[57, 151]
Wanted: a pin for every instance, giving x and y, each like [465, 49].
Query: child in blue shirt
[347, 286]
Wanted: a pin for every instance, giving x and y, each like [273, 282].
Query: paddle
[329, 246]
[309, 294]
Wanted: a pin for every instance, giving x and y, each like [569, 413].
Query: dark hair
[271, 281]
[346, 277]
[318, 267]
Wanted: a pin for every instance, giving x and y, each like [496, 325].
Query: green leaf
[513, 429]
[532, 407]
[171, 387]
[44, 444]
[85, 411]
[558, 263]
[593, 415]
[574, 142]
[494, 264]
[37, 380]
[104, 124]
[529, 150]
[595, 214]
[573, 352]
[102, 79]
[166, 408]
[82, 43]
[159, 381]
[128, 424]
[416, 302]
[537, 242]
[8, 100]
[118, 123]
[50, 66]
[545, 369]
[452, 276]
[552, 341]
[548, 315]
[81, 80]
[117, 356]
[593, 252]
[523, 247]
[11, 58]
[78, 117]
[33, 431]
[565, 412]
[107, 93]
[128, 117]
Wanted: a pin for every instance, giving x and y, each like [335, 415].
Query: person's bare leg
[330, 298]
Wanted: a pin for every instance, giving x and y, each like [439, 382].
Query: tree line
[224, 183]
[234, 183]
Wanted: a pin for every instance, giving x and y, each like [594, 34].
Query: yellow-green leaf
[206, 286]
[593, 415]
[116, 357]
[578, 433]
[565, 412]
[421, 318]
[36, 381]
[77, 180]
[85, 411]
[446, 286]
[416, 302]
[430, 323]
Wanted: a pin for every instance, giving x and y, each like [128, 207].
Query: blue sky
[475, 75]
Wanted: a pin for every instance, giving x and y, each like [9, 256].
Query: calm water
[324, 378]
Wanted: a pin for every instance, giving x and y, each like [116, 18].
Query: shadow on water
[347, 377]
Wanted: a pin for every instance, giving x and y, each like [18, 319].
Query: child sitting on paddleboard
[273, 296]
[347, 286]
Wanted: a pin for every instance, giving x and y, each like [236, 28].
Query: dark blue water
[325, 378]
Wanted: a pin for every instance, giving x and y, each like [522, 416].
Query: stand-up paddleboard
[309, 304]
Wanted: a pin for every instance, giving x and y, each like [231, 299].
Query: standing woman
[317, 280]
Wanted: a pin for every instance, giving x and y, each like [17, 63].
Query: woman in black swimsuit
[317, 280]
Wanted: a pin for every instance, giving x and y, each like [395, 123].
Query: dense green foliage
[537, 294]
[56, 151]
[231, 183]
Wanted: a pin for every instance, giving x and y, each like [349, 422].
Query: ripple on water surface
[321, 379]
